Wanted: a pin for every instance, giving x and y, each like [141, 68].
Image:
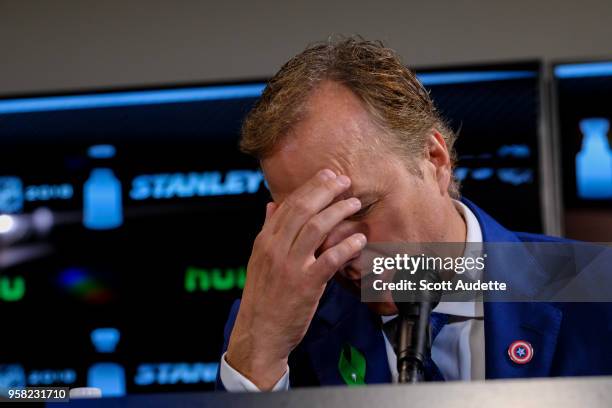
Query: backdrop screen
[583, 94]
[128, 219]
[495, 111]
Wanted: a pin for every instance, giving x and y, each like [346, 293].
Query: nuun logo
[105, 339]
[11, 195]
[102, 202]
[594, 161]
[214, 279]
[12, 289]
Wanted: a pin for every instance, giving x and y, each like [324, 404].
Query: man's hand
[285, 281]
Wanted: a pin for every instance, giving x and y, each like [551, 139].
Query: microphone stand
[413, 339]
[413, 345]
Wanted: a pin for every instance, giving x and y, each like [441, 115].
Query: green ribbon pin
[352, 366]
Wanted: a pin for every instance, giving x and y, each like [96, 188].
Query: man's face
[338, 133]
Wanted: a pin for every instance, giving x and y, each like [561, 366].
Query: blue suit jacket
[569, 339]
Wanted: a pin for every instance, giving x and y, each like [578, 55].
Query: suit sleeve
[229, 379]
[227, 331]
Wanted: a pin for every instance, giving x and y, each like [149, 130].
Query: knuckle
[264, 246]
[352, 244]
[331, 259]
[329, 186]
[332, 185]
[314, 226]
[259, 239]
[347, 248]
[290, 202]
[300, 205]
[348, 207]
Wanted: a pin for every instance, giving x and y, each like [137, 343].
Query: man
[354, 152]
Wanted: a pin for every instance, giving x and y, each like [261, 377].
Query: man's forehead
[365, 195]
[336, 132]
[283, 185]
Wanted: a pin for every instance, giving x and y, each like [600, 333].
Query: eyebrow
[364, 196]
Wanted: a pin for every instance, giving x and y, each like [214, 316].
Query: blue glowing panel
[449, 78]
[583, 93]
[108, 377]
[133, 98]
[461, 173]
[11, 195]
[193, 184]
[11, 376]
[105, 339]
[175, 373]
[514, 150]
[103, 151]
[482, 173]
[102, 203]
[583, 70]
[594, 160]
[515, 176]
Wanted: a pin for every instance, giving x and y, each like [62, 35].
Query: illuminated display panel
[583, 91]
[496, 112]
[129, 218]
[153, 210]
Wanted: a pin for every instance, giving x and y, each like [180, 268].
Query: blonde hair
[393, 95]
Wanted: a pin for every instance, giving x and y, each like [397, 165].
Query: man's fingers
[315, 230]
[277, 222]
[338, 233]
[331, 260]
[270, 209]
[307, 201]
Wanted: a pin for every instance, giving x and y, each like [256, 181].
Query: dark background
[136, 273]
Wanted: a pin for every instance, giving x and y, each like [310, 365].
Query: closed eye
[362, 212]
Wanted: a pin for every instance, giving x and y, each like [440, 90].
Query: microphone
[413, 337]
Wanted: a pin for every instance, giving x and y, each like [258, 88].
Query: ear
[439, 158]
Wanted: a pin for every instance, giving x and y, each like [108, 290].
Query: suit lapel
[347, 321]
[342, 319]
[536, 323]
[505, 322]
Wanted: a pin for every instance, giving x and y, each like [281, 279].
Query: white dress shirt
[458, 350]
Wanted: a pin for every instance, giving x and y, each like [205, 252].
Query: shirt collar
[473, 234]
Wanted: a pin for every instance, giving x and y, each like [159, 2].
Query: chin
[383, 308]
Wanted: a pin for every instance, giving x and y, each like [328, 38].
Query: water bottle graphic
[594, 160]
[102, 204]
[108, 377]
